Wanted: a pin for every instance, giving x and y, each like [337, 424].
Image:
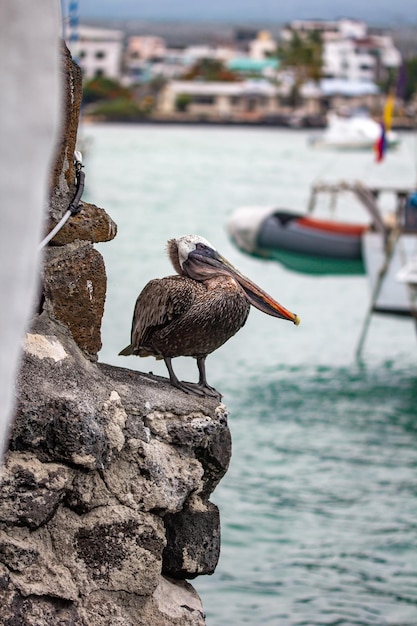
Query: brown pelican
[195, 312]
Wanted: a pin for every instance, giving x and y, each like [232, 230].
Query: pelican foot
[202, 389]
[197, 389]
[187, 387]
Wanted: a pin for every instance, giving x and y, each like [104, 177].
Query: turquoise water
[319, 506]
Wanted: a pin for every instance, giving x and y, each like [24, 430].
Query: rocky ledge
[104, 508]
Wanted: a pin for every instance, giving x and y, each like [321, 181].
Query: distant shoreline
[316, 123]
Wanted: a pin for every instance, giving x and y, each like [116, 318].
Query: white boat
[302, 243]
[390, 260]
[407, 277]
[408, 273]
[298, 241]
[358, 132]
[385, 250]
[395, 295]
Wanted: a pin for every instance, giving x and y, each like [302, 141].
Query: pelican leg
[175, 382]
[202, 382]
[202, 388]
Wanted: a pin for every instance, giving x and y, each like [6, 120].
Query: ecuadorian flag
[381, 142]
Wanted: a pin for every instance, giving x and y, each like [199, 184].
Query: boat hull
[352, 133]
[348, 145]
[300, 243]
[395, 297]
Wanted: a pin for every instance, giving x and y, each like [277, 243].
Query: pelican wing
[160, 302]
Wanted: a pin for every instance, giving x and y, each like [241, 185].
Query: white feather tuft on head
[187, 244]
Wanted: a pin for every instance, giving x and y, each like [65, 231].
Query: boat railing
[368, 197]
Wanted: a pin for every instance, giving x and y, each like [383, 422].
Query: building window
[82, 54]
[203, 99]
[251, 105]
[98, 73]
[100, 54]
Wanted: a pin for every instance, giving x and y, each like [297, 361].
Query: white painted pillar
[30, 34]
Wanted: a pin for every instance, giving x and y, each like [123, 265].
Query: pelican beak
[202, 265]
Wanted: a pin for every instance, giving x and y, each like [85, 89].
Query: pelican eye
[201, 247]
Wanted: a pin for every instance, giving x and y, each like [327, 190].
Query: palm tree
[303, 54]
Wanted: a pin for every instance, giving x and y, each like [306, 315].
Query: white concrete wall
[29, 118]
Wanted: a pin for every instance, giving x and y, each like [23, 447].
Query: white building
[148, 57]
[263, 46]
[344, 58]
[146, 48]
[142, 54]
[345, 28]
[349, 51]
[365, 58]
[223, 100]
[341, 94]
[173, 64]
[351, 29]
[193, 54]
[98, 52]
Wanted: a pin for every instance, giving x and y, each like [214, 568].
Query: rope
[75, 205]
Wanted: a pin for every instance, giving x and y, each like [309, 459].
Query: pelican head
[195, 257]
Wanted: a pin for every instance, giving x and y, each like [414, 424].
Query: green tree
[303, 54]
[102, 88]
[182, 102]
[118, 110]
[210, 70]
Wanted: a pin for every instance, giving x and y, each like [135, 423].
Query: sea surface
[319, 506]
